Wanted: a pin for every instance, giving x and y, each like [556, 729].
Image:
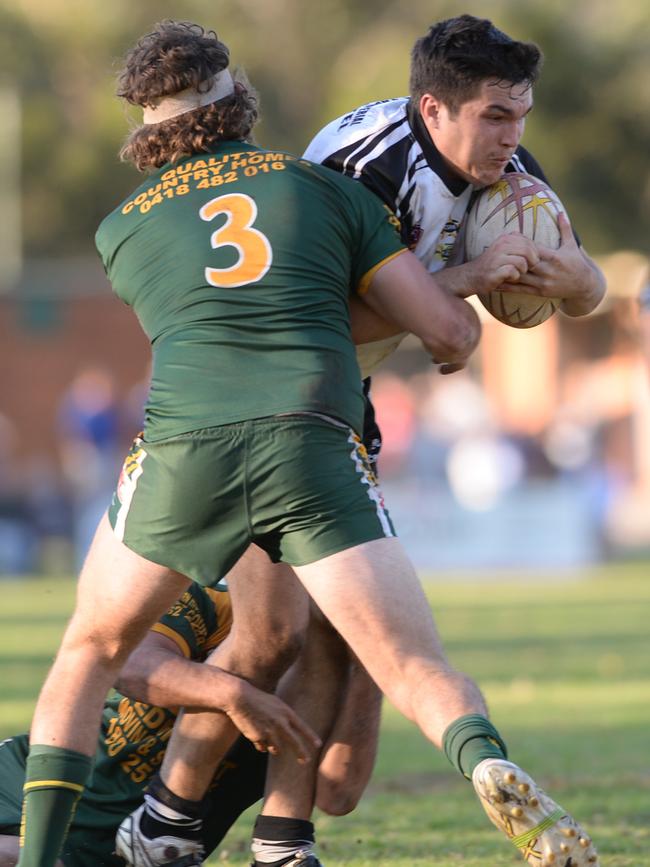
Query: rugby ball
[517, 202]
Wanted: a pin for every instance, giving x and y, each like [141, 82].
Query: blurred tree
[312, 61]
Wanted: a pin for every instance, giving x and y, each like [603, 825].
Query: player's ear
[430, 110]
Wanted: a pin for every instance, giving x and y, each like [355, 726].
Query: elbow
[133, 685]
[459, 336]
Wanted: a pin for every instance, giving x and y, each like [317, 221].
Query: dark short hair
[175, 56]
[458, 54]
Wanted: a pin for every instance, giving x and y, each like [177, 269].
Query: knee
[337, 797]
[263, 657]
[284, 646]
[100, 641]
[336, 802]
[278, 648]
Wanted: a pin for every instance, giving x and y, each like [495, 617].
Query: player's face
[478, 140]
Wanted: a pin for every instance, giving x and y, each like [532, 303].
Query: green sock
[469, 740]
[54, 781]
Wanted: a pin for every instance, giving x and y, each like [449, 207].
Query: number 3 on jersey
[253, 248]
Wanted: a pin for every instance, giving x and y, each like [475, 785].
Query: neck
[435, 160]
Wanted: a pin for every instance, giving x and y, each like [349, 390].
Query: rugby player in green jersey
[239, 264]
[164, 672]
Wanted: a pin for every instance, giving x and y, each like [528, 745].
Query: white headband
[187, 100]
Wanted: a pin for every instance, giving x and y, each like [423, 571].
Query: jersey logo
[447, 240]
[356, 117]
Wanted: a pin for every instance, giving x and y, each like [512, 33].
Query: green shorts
[299, 486]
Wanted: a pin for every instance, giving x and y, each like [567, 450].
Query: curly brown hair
[175, 56]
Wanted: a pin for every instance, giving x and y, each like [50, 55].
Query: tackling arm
[403, 292]
[367, 325]
[158, 673]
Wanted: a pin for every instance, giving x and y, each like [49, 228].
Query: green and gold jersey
[239, 265]
[134, 735]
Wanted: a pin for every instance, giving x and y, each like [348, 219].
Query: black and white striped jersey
[386, 146]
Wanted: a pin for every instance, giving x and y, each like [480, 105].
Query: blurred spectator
[18, 540]
[395, 410]
[483, 467]
[89, 423]
[51, 515]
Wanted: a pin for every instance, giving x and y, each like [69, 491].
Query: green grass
[563, 664]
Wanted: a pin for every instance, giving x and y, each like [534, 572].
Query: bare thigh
[270, 618]
[119, 596]
[374, 599]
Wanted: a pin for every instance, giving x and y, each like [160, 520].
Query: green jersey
[239, 265]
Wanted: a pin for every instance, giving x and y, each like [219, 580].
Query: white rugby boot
[140, 851]
[545, 834]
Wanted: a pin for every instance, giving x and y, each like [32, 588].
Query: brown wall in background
[45, 343]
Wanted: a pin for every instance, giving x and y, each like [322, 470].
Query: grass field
[564, 664]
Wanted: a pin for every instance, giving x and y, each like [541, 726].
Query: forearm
[462, 280]
[367, 325]
[406, 294]
[167, 680]
[591, 290]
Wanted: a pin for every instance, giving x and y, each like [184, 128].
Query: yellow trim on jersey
[163, 629]
[223, 607]
[58, 784]
[364, 283]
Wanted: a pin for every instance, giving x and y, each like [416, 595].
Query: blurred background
[536, 457]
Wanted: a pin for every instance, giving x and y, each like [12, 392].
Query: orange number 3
[253, 248]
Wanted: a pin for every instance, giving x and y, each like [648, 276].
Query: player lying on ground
[163, 672]
[471, 90]
[240, 276]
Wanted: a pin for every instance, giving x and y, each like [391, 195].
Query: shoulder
[118, 223]
[373, 144]
[523, 161]
[375, 120]
[336, 182]
[198, 621]
[219, 599]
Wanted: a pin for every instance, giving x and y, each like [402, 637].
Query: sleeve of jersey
[101, 244]
[378, 239]
[191, 622]
[328, 149]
